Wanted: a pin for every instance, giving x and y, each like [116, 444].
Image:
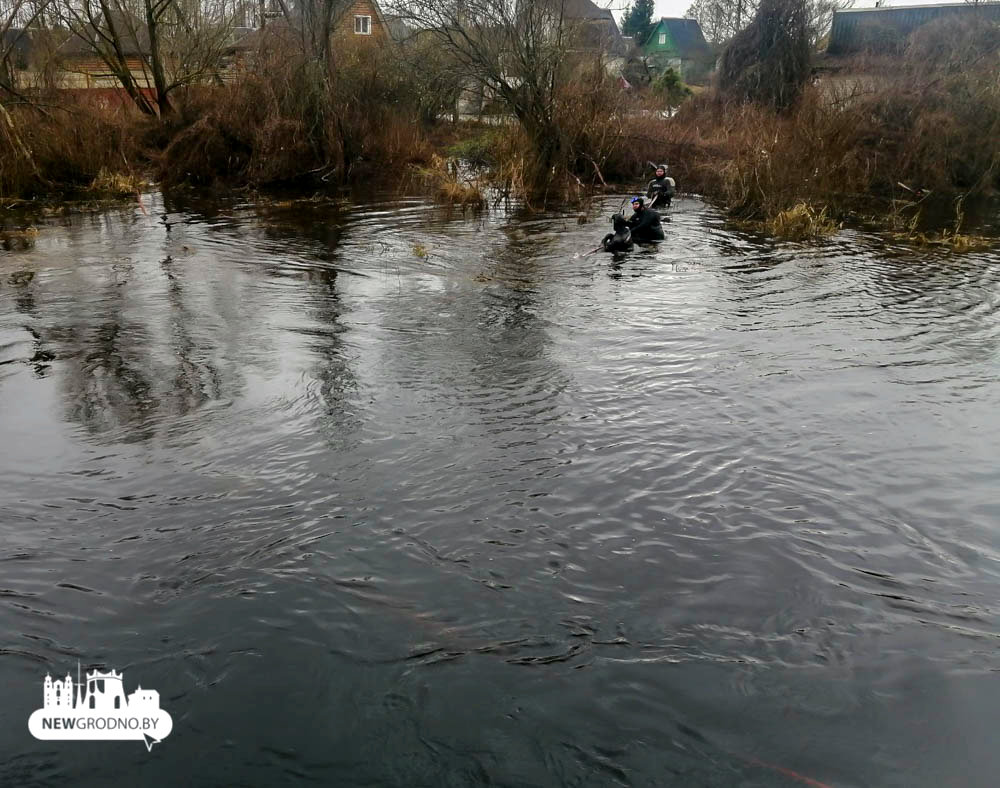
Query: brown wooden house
[363, 18]
[354, 21]
[60, 59]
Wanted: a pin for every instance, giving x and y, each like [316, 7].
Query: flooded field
[384, 494]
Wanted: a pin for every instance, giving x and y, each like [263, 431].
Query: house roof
[597, 27]
[858, 29]
[686, 35]
[134, 36]
[586, 9]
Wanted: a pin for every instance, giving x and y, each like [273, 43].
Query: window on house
[363, 25]
[663, 38]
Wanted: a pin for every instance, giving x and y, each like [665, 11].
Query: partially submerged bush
[65, 150]
[449, 186]
[288, 118]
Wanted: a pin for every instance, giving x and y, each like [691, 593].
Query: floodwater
[391, 495]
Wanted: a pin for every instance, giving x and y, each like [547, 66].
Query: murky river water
[392, 496]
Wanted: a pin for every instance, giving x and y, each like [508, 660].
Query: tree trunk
[156, 62]
[118, 63]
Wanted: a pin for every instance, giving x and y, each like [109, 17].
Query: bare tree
[514, 50]
[720, 20]
[153, 47]
[17, 17]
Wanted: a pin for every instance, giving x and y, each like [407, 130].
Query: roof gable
[585, 9]
[684, 38]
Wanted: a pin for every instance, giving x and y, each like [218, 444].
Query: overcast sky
[680, 7]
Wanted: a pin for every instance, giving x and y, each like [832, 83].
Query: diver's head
[661, 170]
[638, 204]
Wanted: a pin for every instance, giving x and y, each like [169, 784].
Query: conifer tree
[638, 20]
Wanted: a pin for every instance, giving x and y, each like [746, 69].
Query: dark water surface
[396, 497]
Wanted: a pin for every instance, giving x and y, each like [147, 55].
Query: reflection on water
[721, 512]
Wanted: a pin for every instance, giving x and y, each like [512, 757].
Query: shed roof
[860, 29]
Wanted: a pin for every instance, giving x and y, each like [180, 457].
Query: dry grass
[449, 187]
[955, 242]
[116, 184]
[67, 150]
[800, 223]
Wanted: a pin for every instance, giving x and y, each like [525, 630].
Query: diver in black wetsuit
[660, 190]
[645, 222]
[621, 239]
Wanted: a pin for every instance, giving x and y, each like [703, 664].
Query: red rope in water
[789, 773]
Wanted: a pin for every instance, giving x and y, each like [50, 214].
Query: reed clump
[449, 186]
[955, 242]
[116, 184]
[800, 223]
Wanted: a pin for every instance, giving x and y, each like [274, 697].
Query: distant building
[593, 29]
[679, 44]
[886, 30]
[360, 21]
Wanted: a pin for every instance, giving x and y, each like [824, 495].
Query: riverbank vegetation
[777, 138]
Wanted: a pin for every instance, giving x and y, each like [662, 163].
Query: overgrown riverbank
[907, 144]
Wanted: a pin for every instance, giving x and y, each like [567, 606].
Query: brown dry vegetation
[890, 138]
[67, 149]
[290, 118]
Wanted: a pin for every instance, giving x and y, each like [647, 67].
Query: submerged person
[621, 239]
[660, 190]
[645, 222]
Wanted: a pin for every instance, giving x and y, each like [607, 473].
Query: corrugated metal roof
[886, 29]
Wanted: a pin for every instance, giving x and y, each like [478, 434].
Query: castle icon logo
[98, 710]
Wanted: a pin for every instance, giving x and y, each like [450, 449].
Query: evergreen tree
[638, 21]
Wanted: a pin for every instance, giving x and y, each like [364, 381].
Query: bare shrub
[66, 150]
[287, 117]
